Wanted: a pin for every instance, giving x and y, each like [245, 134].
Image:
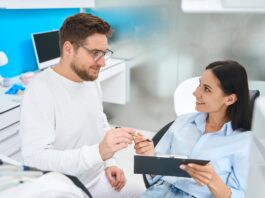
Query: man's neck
[65, 70]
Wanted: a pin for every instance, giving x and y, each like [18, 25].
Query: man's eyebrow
[95, 49]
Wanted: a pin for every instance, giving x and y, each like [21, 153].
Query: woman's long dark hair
[233, 79]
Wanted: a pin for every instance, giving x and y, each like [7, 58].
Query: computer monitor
[46, 48]
[256, 180]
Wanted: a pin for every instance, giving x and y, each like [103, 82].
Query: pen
[135, 135]
[139, 134]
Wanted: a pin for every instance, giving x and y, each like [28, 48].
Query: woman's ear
[231, 99]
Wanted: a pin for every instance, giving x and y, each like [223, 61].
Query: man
[63, 127]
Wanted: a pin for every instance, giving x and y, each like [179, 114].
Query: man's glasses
[98, 54]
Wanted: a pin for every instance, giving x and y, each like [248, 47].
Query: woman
[219, 133]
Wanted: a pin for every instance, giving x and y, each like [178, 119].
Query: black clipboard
[167, 166]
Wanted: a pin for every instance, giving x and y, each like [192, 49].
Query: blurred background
[162, 46]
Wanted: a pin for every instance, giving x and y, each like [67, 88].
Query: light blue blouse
[227, 149]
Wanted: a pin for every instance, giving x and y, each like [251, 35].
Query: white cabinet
[9, 126]
[36, 4]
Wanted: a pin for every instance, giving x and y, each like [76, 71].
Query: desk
[113, 81]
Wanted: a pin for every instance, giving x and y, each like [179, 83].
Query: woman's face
[210, 97]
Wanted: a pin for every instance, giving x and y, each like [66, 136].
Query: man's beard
[83, 74]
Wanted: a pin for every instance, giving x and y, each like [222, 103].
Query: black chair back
[253, 94]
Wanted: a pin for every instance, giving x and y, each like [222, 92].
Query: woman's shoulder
[189, 116]
[244, 137]
[244, 133]
[186, 118]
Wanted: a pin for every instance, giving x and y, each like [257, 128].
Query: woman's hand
[206, 175]
[143, 145]
[202, 174]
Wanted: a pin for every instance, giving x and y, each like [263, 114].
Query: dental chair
[184, 102]
[36, 183]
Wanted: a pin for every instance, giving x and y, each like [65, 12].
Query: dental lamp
[3, 61]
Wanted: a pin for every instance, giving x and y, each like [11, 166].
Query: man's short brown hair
[78, 27]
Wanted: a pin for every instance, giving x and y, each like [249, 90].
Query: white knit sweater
[62, 123]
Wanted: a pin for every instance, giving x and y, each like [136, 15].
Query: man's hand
[116, 177]
[143, 145]
[115, 140]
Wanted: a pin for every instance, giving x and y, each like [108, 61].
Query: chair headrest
[253, 94]
[184, 101]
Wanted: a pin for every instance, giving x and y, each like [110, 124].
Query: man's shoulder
[39, 82]
[41, 75]
[41, 78]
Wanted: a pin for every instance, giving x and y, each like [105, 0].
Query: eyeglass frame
[97, 57]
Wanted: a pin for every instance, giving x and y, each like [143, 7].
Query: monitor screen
[257, 158]
[46, 47]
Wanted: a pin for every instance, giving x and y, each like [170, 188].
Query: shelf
[40, 4]
[131, 3]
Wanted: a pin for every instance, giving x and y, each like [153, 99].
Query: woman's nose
[195, 93]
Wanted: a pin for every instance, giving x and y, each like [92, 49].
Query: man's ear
[68, 48]
[231, 99]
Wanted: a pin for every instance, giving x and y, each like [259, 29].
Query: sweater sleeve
[37, 131]
[111, 161]
[106, 127]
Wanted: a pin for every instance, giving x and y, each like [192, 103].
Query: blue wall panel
[16, 27]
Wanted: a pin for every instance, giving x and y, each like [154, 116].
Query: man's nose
[101, 62]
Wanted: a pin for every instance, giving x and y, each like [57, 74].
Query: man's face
[83, 63]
